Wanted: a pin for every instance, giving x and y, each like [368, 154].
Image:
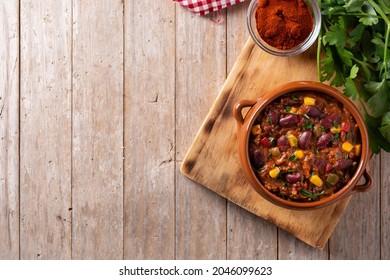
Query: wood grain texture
[291, 248]
[149, 221]
[200, 72]
[215, 144]
[97, 154]
[45, 130]
[245, 230]
[385, 206]
[9, 129]
[109, 96]
[249, 236]
[357, 234]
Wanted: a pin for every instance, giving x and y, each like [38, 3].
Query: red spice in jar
[284, 24]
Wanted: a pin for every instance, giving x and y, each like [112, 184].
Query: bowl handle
[367, 185]
[237, 110]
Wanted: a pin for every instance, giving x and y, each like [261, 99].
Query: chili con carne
[315, 150]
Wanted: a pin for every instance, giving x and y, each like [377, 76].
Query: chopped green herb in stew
[305, 146]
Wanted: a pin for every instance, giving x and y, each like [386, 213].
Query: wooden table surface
[99, 102]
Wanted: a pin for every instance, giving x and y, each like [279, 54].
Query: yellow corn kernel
[358, 149]
[347, 146]
[292, 140]
[256, 129]
[335, 130]
[309, 101]
[275, 151]
[299, 154]
[315, 180]
[293, 110]
[274, 172]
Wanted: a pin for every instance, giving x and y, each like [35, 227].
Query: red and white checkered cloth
[203, 7]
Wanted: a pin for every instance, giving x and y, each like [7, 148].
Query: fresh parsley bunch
[353, 52]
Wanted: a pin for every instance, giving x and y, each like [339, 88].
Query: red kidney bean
[324, 140]
[328, 167]
[293, 177]
[304, 139]
[288, 120]
[273, 116]
[258, 158]
[328, 120]
[343, 164]
[282, 143]
[265, 142]
[345, 126]
[313, 112]
[320, 164]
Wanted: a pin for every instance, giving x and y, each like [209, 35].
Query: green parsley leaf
[370, 17]
[354, 6]
[379, 103]
[307, 126]
[337, 34]
[346, 56]
[327, 66]
[311, 195]
[350, 89]
[385, 126]
[356, 34]
[338, 79]
[292, 157]
[378, 41]
[354, 53]
[385, 5]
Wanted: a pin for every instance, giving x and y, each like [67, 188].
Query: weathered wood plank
[357, 236]
[200, 72]
[245, 230]
[249, 236]
[45, 130]
[291, 248]
[97, 154]
[149, 209]
[9, 129]
[385, 206]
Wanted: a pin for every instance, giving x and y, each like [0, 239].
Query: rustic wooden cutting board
[213, 162]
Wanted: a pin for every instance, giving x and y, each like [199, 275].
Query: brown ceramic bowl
[255, 108]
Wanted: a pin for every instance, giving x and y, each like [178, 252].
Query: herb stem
[365, 66]
[357, 15]
[319, 47]
[319, 44]
[386, 19]
[384, 65]
[380, 11]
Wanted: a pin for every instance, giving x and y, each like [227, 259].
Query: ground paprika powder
[284, 24]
